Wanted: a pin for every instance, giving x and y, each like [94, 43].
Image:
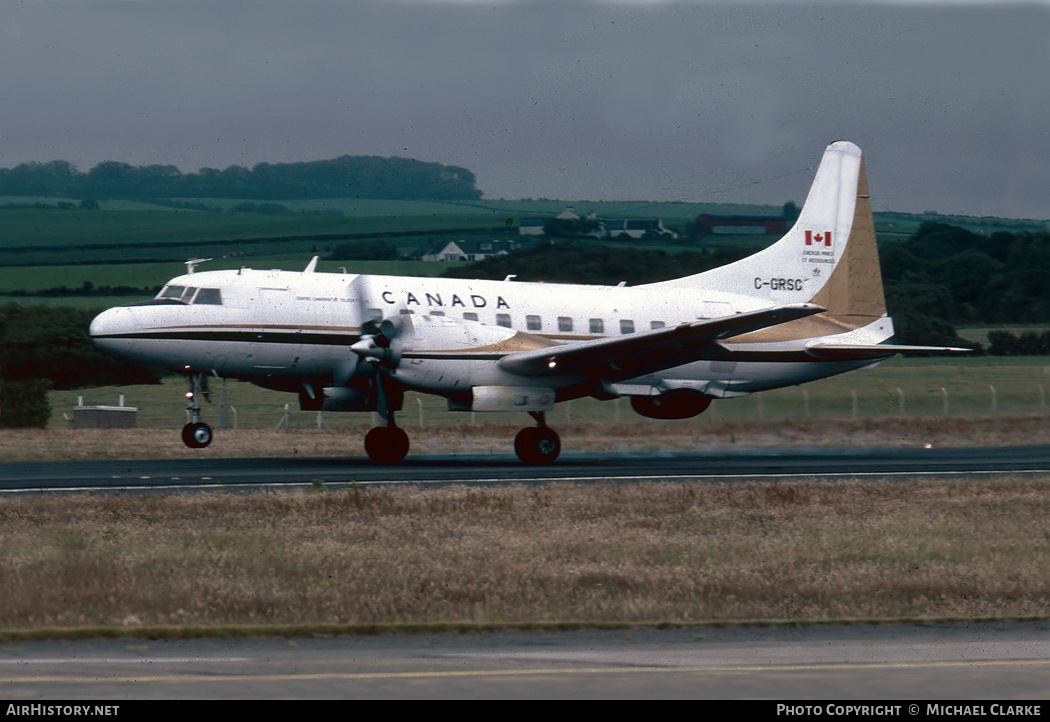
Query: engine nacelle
[341, 398]
[676, 404]
[511, 398]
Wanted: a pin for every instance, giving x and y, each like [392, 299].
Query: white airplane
[807, 307]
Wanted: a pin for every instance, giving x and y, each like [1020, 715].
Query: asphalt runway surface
[713, 466]
[883, 664]
[1003, 661]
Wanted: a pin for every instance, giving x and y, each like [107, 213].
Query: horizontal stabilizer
[623, 357]
[859, 352]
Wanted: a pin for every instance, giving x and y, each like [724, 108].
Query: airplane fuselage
[278, 327]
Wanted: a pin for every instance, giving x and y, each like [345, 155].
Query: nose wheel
[196, 435]
[537, 445]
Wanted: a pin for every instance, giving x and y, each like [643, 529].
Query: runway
[713, 466]
[885, 664]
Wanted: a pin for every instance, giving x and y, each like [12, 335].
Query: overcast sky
[598, 100]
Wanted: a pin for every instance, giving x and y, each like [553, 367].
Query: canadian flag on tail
[816, 239]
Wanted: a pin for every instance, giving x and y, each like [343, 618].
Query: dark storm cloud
[583, 100]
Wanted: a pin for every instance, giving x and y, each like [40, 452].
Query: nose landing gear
[196, 434]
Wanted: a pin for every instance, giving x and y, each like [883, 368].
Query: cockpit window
[190, 294]
[210, 296]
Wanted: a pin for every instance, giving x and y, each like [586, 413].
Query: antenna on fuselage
[312, 265]
[191, 265]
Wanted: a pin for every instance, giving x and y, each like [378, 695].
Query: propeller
[379, 351]
[383, 345]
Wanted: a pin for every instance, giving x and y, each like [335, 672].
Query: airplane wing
[623, 357]
[859, 352]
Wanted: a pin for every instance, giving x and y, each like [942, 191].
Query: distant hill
[343, 177]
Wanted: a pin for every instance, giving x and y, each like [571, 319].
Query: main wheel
[196, 435]
[386, 444]
[536, 445]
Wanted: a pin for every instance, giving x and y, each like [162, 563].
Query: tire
[537, 445]
[197, 435]
[386, 444]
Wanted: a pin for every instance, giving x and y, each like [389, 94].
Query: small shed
[105, 417]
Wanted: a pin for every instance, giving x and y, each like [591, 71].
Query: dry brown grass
[596, 554]
[465, 439]
[599, 553]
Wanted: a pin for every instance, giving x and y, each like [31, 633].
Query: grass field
[26, 229]
[596, 553]
[44, 237]
[142, 232]
[972, 388]
[31, 279]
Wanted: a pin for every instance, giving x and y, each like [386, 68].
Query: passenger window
[503, 319]
[470, 316]
[656, 324]
[564, 323]
[437, 313]
[533, 323]
[209, 296]
[597, 325]
[406, 312]
[626, 325]
[172, 292]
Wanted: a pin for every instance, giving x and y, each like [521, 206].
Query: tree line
[343, 177]
[982, 279]
[945, 276]
[43, 348]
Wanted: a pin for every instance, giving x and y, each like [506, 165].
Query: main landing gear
[534, 445]
[387, 444]
[196, 434]
[537, 445]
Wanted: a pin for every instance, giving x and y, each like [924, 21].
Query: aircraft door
[277, 349]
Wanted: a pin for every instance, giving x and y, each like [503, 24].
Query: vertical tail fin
[829, 256]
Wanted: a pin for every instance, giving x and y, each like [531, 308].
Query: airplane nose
[107, 328]
[104, 324]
